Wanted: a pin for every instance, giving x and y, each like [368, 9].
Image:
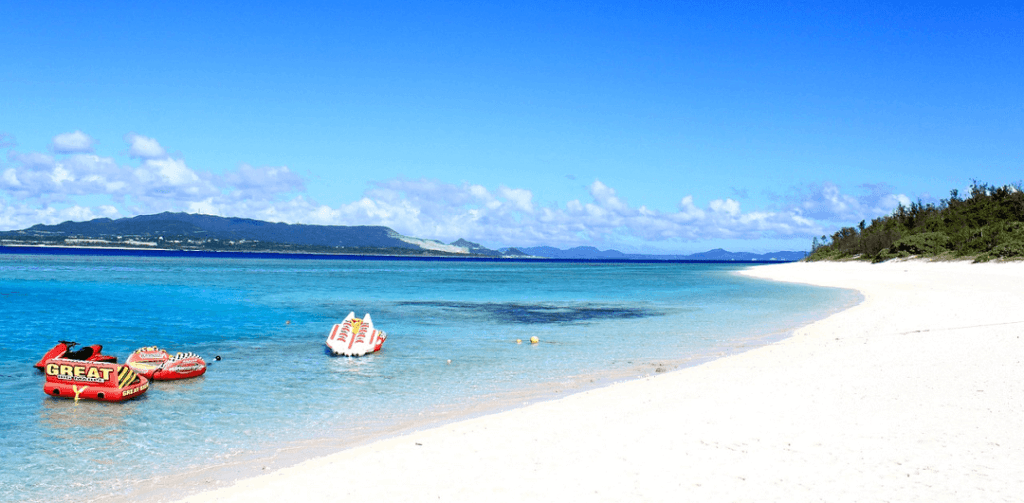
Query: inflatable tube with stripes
[355, 337]
[79, 379]
[158, 365]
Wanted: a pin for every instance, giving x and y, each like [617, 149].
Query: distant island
[986, 225]
[208, 233]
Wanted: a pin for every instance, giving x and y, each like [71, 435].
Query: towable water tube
[64, 349]
[158, 365]
[93, 380]
[355, 337]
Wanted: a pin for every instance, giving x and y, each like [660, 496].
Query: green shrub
[988, 224]
[1010, 243]
[927, 243]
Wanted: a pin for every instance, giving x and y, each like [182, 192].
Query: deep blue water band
[142, 252]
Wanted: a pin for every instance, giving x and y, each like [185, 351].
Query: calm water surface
[276, 388]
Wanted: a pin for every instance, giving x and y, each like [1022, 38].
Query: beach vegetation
[985, 224]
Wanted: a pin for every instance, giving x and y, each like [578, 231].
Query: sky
[650, 127]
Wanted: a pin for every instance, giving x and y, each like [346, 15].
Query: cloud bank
[65, 184]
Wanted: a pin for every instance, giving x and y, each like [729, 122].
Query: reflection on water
[364, 367]
[67, 418]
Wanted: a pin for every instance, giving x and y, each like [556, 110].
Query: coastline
[882, 401]
[44, 249]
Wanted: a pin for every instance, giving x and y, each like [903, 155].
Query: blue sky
[663, 127]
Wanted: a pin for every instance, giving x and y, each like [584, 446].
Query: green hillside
[987, 224]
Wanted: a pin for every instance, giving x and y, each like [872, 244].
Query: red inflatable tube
[79, 379]
[158, 365]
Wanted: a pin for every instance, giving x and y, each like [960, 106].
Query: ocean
[276, 397]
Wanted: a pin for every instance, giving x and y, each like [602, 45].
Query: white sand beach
[916, 394]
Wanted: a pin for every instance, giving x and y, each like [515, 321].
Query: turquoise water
[276, 388]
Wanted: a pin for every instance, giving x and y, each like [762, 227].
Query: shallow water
[275, 386]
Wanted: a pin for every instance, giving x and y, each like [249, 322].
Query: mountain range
[191, 231]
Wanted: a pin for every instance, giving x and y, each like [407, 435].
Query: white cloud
[687, 211]
[726, 207]
[521, 199]
[432, 209]
[15, 217]
[72, 143]
[143, 147]
[39, 188]
[172, 172]
[826, 202]
[251, 182]
[33, 161]
[154, 185]
[606, 198]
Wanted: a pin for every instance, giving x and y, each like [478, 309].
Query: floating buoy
[534, 340]
[449, 362]
[519, 341]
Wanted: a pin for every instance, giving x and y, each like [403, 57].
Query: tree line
[986, 224]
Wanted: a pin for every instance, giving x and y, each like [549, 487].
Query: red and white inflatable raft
[157, 364]
[355, 337]
[92, 380]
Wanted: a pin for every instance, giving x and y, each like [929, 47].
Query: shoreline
[882, 401]
[239, 466]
